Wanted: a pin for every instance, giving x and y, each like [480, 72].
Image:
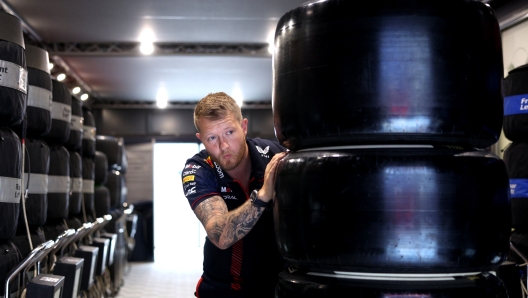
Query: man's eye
[230, 132]
[212, 138]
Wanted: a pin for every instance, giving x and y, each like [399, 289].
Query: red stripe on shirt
[236, 264]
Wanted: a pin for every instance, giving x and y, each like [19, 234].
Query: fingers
[269, 177]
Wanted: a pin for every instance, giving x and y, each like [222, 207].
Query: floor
[167, 277]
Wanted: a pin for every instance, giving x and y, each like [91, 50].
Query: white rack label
[39, 98]
[10, 190]
[58, 184]
[60, 111]
[76, 123]
[38, 183]
[13, 76]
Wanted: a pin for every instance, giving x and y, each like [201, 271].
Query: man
[229, 186]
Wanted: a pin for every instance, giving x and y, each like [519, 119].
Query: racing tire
[60, 114]
[89, 133]
[74, 141]
[345, 74]
[40, 92]
[101, 201]
[88, 169]
[58, 183]
[13, 86]
[101, 168]
[297, 285]
[116, 184]
[515, 124]
[114, 148]
[36, 170]
[516, 160]
[393, 210]
[76, 183]
[10, 179]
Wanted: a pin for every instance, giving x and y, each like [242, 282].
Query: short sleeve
[198, 183]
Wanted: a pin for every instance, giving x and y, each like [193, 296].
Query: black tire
[516, 160]
[13, 96]
[297, 285]
[9, 260]
[76, 190]
[54, 229]
[89, 133]
[515, 122]
[22, 243]
[88, 168]
[101, 168]
[74, 223]
[346, 74]
[393, 210]
[40, 96]
[74, 141]
[116, 184]
[10, 175]
[60, 114]
[114, 148]
[101, 201]
[58, 183]
[37, 165]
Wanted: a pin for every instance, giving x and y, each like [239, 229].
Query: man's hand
[266, 192]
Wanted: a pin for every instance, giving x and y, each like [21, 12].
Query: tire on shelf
[36, 170]
[76, 182]
[10, 179]
[9, 260]
[89, 132]
[101, 168]
[516, 160]
[88, 169]
[58, 184]
[60, 114]
[13, 86]
[114, 148]
[116, 184]
[22, 243]
[349, 75]
[515, 124]
[393, 210]
[74, 141]
[101, 201]
[40, 96]
[298, 285]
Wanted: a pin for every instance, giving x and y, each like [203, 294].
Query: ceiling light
[84, 96]
[61, 77]
[50, 66]
[146, 38]
[76, 90]
[238, 97]
[162, 98]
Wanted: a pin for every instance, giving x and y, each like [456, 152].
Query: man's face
[224, 140]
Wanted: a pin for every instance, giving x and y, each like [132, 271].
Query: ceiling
[201, 46]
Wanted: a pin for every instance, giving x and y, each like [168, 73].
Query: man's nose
[223, 144]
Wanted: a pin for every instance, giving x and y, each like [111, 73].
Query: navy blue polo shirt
[254, 261]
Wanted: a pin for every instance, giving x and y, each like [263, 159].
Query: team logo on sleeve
[263, 152]
[188, 178]
[209, 162]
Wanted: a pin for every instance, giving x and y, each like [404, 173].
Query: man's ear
[198, 136]
[244, 125]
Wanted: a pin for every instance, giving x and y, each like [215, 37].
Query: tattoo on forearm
[225, 228]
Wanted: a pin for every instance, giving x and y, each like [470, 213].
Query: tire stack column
[114, 149]
[13, 101]
[387, 109]
[516, 159]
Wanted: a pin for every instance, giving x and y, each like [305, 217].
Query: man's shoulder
[201, 158]
[265, 146]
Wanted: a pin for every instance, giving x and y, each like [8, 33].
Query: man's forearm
[225, 228]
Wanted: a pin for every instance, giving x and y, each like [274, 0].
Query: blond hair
[216, 106]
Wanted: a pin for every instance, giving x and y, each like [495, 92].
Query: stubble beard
[233, 162]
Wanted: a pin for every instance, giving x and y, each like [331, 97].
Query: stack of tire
[387, 190]
[13, 101]
[88, 165]
[114, 150]
[516, 156]
[38, 121]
